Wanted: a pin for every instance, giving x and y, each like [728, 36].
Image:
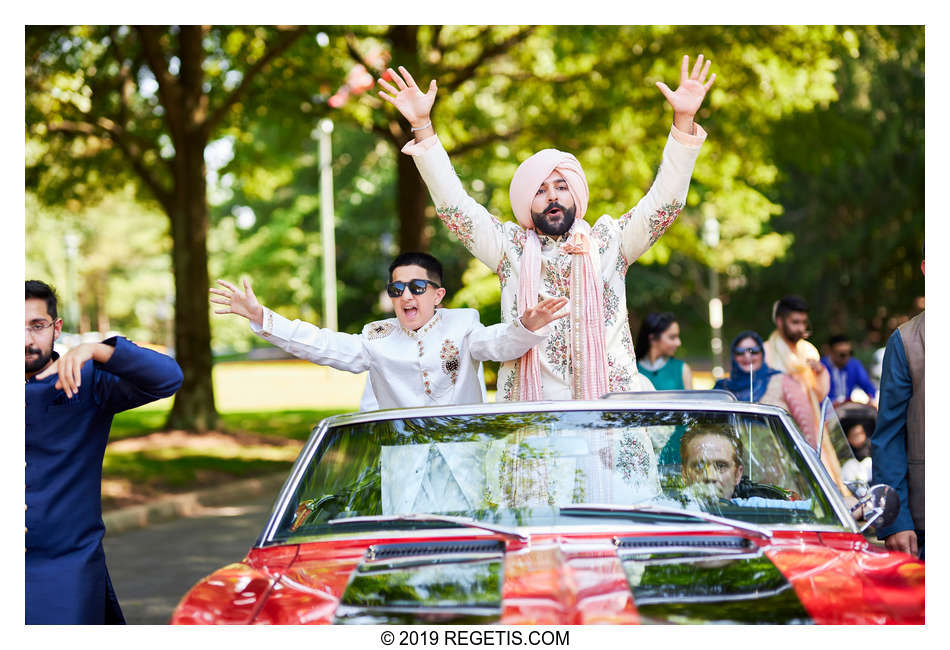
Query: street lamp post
[711, 239]
[327, 233]
[71, 240]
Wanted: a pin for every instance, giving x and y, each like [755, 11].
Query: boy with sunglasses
[423, 356]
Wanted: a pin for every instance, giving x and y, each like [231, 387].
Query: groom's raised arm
[483, 234]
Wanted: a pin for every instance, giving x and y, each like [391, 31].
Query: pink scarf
[588, 347]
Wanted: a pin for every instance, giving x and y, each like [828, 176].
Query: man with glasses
[69, 407]
[846, 372]
[423, 357]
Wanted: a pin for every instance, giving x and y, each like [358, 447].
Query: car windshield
[534, 468]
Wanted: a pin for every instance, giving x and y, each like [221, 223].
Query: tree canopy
[813, 167]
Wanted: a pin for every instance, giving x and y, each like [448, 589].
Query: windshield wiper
[582, 509]
[509, 533]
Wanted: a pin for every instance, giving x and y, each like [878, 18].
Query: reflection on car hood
[572, 579]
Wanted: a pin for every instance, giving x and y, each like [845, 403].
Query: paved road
[153, 567]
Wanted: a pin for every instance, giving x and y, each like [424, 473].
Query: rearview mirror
[879, 507]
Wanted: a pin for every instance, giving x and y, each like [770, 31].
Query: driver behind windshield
[711, 460]
[712, 467]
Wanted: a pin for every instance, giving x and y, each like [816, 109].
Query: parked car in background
[619, 510]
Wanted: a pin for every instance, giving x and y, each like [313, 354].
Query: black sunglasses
[416, 287]
[753, 351]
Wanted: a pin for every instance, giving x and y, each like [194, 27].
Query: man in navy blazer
[69, 408]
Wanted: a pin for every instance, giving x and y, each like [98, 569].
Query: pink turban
[532, 172]
[588, 347]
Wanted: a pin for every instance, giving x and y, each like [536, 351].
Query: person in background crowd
[845, 372]
[69, 407]
[858, 422]
[858, 428]
[751, 378]
[657, 342]
[789, 352]
[897, 444]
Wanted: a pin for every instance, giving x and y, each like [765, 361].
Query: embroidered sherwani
[616, 243]
[435, 364]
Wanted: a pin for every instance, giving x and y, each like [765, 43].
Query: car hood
[581, 579]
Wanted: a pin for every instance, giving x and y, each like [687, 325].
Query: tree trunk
[412, 198]
[411, 194]
[193, 409]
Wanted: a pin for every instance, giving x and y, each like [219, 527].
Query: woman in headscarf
[752, 380]
[657, 342]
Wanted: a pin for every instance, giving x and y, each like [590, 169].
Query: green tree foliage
[108, 106]
[813, 167]
[507, 91]
[120, 278]
[852, 184]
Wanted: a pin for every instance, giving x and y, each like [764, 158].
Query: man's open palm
[688, 97]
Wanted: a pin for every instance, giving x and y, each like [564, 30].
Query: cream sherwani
[616, 243]
[435, 365]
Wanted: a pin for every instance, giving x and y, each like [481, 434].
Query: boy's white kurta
[436, 364]
[618, 242]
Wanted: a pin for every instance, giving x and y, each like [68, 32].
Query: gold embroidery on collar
[422, 331]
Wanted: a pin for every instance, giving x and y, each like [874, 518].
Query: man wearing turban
[553, 252]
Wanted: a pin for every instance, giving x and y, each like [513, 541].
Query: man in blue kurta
[69, 408]
[846, 372]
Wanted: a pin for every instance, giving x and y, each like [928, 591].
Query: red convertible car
[665, 507]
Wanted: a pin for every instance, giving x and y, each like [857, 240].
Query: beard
[791, 335]
[557, 228]
[42, 358]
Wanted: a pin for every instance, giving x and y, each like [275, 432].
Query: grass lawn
[294, 424]
[142, 462]
[267, 409]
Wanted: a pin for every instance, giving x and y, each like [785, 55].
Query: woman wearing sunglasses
[752, 380]
[423, 357]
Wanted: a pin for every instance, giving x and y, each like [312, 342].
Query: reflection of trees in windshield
[461, 428]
